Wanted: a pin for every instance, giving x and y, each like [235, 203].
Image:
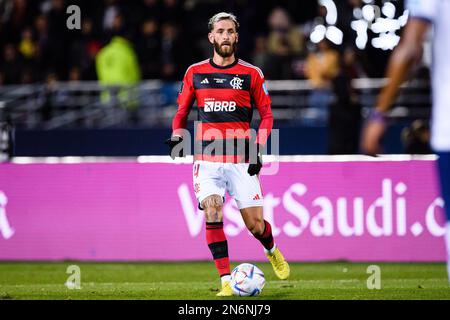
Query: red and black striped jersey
[226, 96]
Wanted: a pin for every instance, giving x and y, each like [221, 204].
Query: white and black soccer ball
[247, 280]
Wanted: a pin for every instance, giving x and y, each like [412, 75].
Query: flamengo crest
[236, 83]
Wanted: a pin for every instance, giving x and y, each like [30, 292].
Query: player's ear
[237, 37]
[211, 38]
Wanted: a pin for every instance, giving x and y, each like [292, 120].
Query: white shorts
[217, 177]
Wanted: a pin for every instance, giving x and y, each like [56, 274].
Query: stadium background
[56, 73]
[85, 175]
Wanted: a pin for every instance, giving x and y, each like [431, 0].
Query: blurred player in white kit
[424, 16]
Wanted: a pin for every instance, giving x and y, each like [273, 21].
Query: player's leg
[261, 230]
[210, 189]
[217, 241]
[247, 192]
[444, 177]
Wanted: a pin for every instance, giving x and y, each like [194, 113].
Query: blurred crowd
[122, 42]
[161, 38]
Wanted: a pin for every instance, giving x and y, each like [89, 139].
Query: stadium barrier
[150, 103]
[321, 208]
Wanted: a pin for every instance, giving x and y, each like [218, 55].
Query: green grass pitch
[199, 281]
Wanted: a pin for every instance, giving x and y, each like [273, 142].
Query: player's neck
[223, 61]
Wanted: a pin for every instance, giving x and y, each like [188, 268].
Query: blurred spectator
[284, 43]
[57, 17]
[27, 76]
[74, 74]
[110, 13]
[83, 50]
[416, 138]
[173, 53]
[260, 55]
[149, 48]
[58, 35]
[18, 13]
[27, 46]
[118, 25]
[11, 67]
[171, 11]
[321, 67]
[352, 64]
[48, 96]
[151, 9]
[117, 64]
[344, 121]
[44, 45]
[28, 50]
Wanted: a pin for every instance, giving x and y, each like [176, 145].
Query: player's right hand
[175, 144]
[371, 137]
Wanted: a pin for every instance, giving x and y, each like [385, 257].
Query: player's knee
[212, 206]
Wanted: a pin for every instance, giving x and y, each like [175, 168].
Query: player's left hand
[372, 134]
[175, 146]
[254, 168]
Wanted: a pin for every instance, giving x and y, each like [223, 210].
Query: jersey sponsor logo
[219, 80]
[205, 81]
[236, 83]
[215, 106]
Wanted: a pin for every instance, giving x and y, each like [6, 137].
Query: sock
[225, 278]
[447, 246]
[271, 250]
[266, 238]
[217, 243]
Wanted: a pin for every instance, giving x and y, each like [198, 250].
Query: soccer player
[226, 89]
[423, 15]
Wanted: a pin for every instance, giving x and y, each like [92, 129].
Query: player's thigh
[245, 189]
[208, 181]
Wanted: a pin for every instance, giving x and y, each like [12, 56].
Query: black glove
[254, 168]
[172, 142]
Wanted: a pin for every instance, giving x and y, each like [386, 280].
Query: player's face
[224, 38]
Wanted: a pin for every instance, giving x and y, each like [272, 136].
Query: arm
[185, 99]
[262, 102]
[401, 62]
[266, 124]
[404, 57]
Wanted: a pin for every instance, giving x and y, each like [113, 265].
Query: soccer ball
[247, 280]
